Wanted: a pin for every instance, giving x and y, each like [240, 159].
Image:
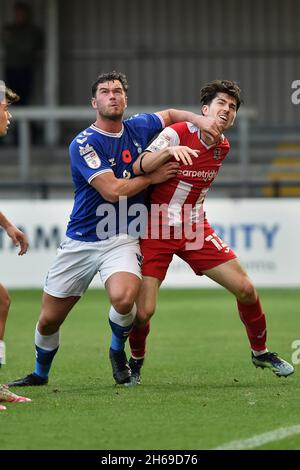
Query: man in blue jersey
[101, 235]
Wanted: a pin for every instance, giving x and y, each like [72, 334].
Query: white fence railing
[51, 116]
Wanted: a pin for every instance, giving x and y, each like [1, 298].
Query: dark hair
[11, 96]
[210, 90]
[110, 77]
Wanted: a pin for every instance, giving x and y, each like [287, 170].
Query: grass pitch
[199, 390]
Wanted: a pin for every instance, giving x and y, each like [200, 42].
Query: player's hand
[183, 154]
[164, 173]
[19, 238]
[210, 129]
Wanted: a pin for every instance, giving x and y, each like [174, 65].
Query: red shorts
[158, 254]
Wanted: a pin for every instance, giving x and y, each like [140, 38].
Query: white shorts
[77, 262]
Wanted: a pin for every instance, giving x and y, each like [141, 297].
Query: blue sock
[121, 325]
[119, 335]
[43, 362]
[46, 347]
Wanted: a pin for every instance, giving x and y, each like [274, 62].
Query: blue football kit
[86, 251]
[94, 152]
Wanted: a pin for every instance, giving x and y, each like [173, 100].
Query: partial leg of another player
[53, 313]
[4, 308]
[234, 278]
[146, 304]
[10, 397]
[5, 394]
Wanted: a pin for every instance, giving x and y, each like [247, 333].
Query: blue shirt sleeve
[86, 158]
[152, 122]
[145, 126]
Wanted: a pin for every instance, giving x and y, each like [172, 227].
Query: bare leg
[122, 289]
[234, 278]
[4, 308]
[53, 313]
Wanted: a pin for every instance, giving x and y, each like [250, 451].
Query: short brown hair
[211, 89]
[11, 96]
[110, 77]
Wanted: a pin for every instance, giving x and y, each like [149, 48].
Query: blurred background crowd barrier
[168, 49]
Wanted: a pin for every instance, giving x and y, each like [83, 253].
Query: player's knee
[247, 292]
[145, 313]
[123, 302]
[47, 325]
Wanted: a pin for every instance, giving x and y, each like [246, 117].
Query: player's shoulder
[86, 148]
[224, 142]
[184, 127]
[85, 139]
[180, 131]
[143, 120]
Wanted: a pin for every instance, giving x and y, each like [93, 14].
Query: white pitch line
[260, 439]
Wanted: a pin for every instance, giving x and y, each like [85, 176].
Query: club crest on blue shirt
[126, 174]
[92, 159]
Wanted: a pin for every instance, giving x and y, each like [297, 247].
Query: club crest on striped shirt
[217, 153]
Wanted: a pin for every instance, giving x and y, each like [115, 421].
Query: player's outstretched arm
[112, 188]
[206, 124]
[150, 161]
[18, 237]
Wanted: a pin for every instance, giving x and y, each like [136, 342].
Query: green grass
[199, 387]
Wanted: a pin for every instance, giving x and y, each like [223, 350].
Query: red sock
[137, 340]
[255, 322]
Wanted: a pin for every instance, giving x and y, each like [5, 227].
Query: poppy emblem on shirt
[92, 160]
[126, 156]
